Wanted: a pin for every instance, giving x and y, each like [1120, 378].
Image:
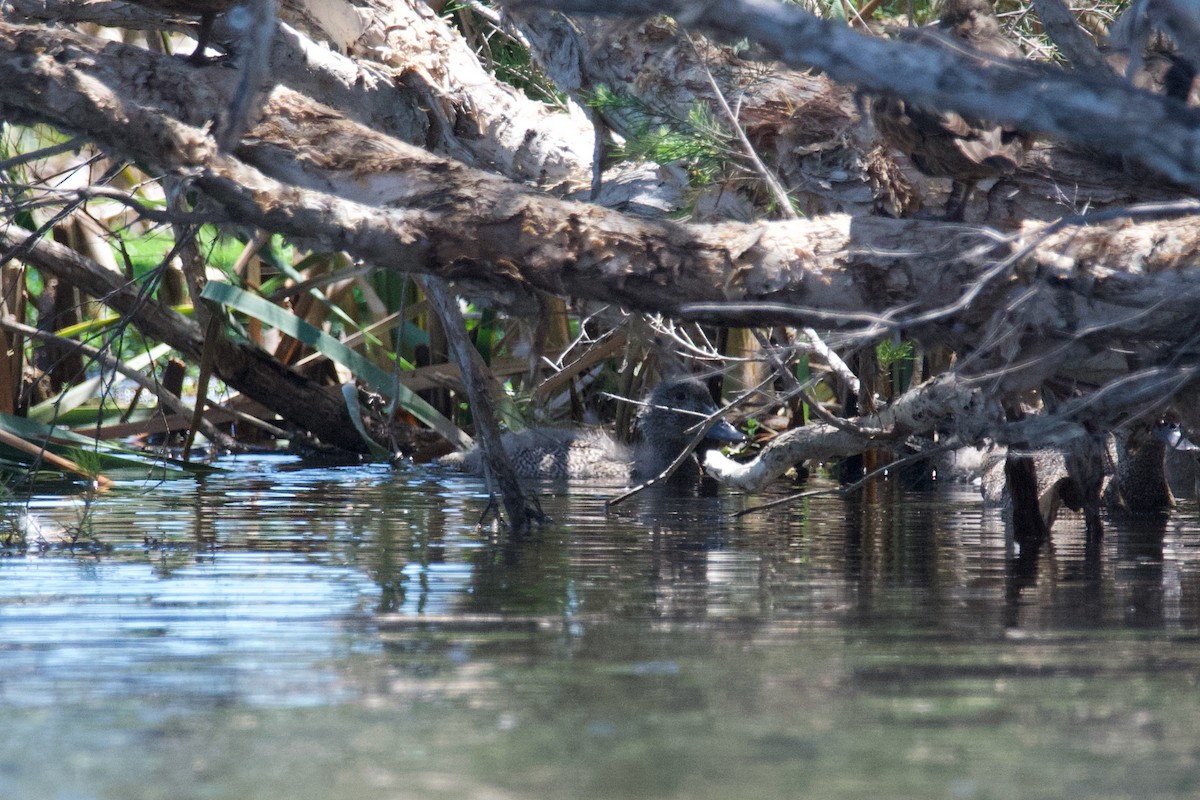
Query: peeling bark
[1070, 289]
[397, 68]
[1080, 302]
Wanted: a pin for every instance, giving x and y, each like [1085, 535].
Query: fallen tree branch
[1059, 23]
[944, 403]
[963, 411]
[324, 181]
[463, 223]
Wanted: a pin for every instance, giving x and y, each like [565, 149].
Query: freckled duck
[672, 409]
[1126, 473]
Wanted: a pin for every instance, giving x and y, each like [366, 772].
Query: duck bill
[722, 431]
[1174, 438]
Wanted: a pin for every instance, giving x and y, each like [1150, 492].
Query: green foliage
[923, 11]
[485, 330]
[73, 407]
[88, 460]
[12, 535]
[804, 375]
[14, 187]
[96, 457]
[374, 377]
[506, 57]
[896, 358]
[833, 10]
[699, 141]
[143, 252]
[889, 352]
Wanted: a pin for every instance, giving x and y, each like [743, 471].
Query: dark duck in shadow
[1124, 473]
[667, 424]
[945, 144]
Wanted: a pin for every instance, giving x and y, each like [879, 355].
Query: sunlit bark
[337, 185]
[397, 68]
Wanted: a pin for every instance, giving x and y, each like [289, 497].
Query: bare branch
[943, 403]
[1060, 25]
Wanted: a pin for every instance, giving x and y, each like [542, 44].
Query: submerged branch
[522, 509]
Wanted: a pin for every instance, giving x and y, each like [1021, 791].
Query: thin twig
[769, 177]
[74, 143]
[817, 408]
[671, 469]
[699, 431]
[835, 362]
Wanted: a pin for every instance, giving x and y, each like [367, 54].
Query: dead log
[1064, 292]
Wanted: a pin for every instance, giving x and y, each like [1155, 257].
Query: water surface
[347, 633]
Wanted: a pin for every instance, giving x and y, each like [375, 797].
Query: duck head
[1171, 434]
[668, 424]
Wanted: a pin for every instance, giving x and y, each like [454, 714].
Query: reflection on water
[346, 633]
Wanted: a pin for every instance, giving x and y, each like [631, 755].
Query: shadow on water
[347, 633]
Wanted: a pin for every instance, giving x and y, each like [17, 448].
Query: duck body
[1125, 473]
[667, 427]
[556, 454]
[565, 454]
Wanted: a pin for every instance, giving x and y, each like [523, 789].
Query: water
[346, 633]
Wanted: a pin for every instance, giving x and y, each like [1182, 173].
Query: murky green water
[345, 633]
